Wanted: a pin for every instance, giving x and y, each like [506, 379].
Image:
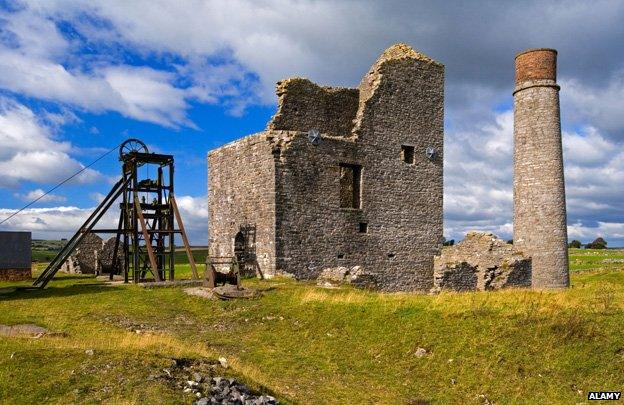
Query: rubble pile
[481, 262]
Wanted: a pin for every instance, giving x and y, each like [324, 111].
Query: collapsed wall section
[241, 192]
[481, 262]
[303, 105]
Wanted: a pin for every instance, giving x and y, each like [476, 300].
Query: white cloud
[54, 222]
[29, 152]
[601, 105]
[605, 230]
[194, 213]
[63, 221]
[97, 197]
[41, 196]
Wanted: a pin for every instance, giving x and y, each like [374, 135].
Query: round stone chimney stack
[539, 217]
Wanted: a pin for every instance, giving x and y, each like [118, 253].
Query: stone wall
[481, 262]
[291, 188]
[241, 191]
[540, 228]
[15, 256]
[106, 257]
[84, 259]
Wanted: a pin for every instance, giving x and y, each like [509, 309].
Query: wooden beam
[187, 247]
[146, 237]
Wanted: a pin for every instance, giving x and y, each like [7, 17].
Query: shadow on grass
[21, 293]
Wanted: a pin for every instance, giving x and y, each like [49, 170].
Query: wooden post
[209, 275]
[187, 247]
[146, 237]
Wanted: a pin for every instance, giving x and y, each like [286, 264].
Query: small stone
[89, 352]
[202, 401]
[197, 377]
[421, 352]
[223, 361]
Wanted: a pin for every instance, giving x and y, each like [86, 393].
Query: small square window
[363, 227]
[407, 154]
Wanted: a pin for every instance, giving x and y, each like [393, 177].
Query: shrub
[599, 243]
[575, 244]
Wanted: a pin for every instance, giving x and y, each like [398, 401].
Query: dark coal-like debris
[197, 378]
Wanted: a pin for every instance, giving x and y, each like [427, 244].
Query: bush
[449, 242]
[575, 244]
[599, 243]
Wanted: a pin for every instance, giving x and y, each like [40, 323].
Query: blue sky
[77, 78]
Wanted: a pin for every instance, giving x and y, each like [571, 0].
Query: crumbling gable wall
[241, 191]
[402, 104]
[303, 105]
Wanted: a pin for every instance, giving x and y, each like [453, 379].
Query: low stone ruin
[84, 260]
[93, 256]
[106, 256]
[334, 277]
[481, 262]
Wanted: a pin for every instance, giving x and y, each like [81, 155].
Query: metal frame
[147, 221]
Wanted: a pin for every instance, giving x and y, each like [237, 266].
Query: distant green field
[43, 251]
[596, 259]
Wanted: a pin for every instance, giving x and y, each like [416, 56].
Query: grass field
[311, 345]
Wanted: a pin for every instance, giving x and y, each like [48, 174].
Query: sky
[186, 76]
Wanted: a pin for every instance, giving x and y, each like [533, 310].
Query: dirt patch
[25, 330]
[226, 292]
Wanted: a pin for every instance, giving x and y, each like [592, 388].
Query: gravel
[197, 379]
[220, 390]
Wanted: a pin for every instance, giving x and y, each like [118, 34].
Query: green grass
[311, 345]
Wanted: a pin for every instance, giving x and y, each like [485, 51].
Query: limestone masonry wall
[540, 229]
[241, 191]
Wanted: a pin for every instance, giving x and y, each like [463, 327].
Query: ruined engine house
[340, 177]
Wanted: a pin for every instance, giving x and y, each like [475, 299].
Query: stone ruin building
[341, 177]
[481, 262]
[93, 256]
